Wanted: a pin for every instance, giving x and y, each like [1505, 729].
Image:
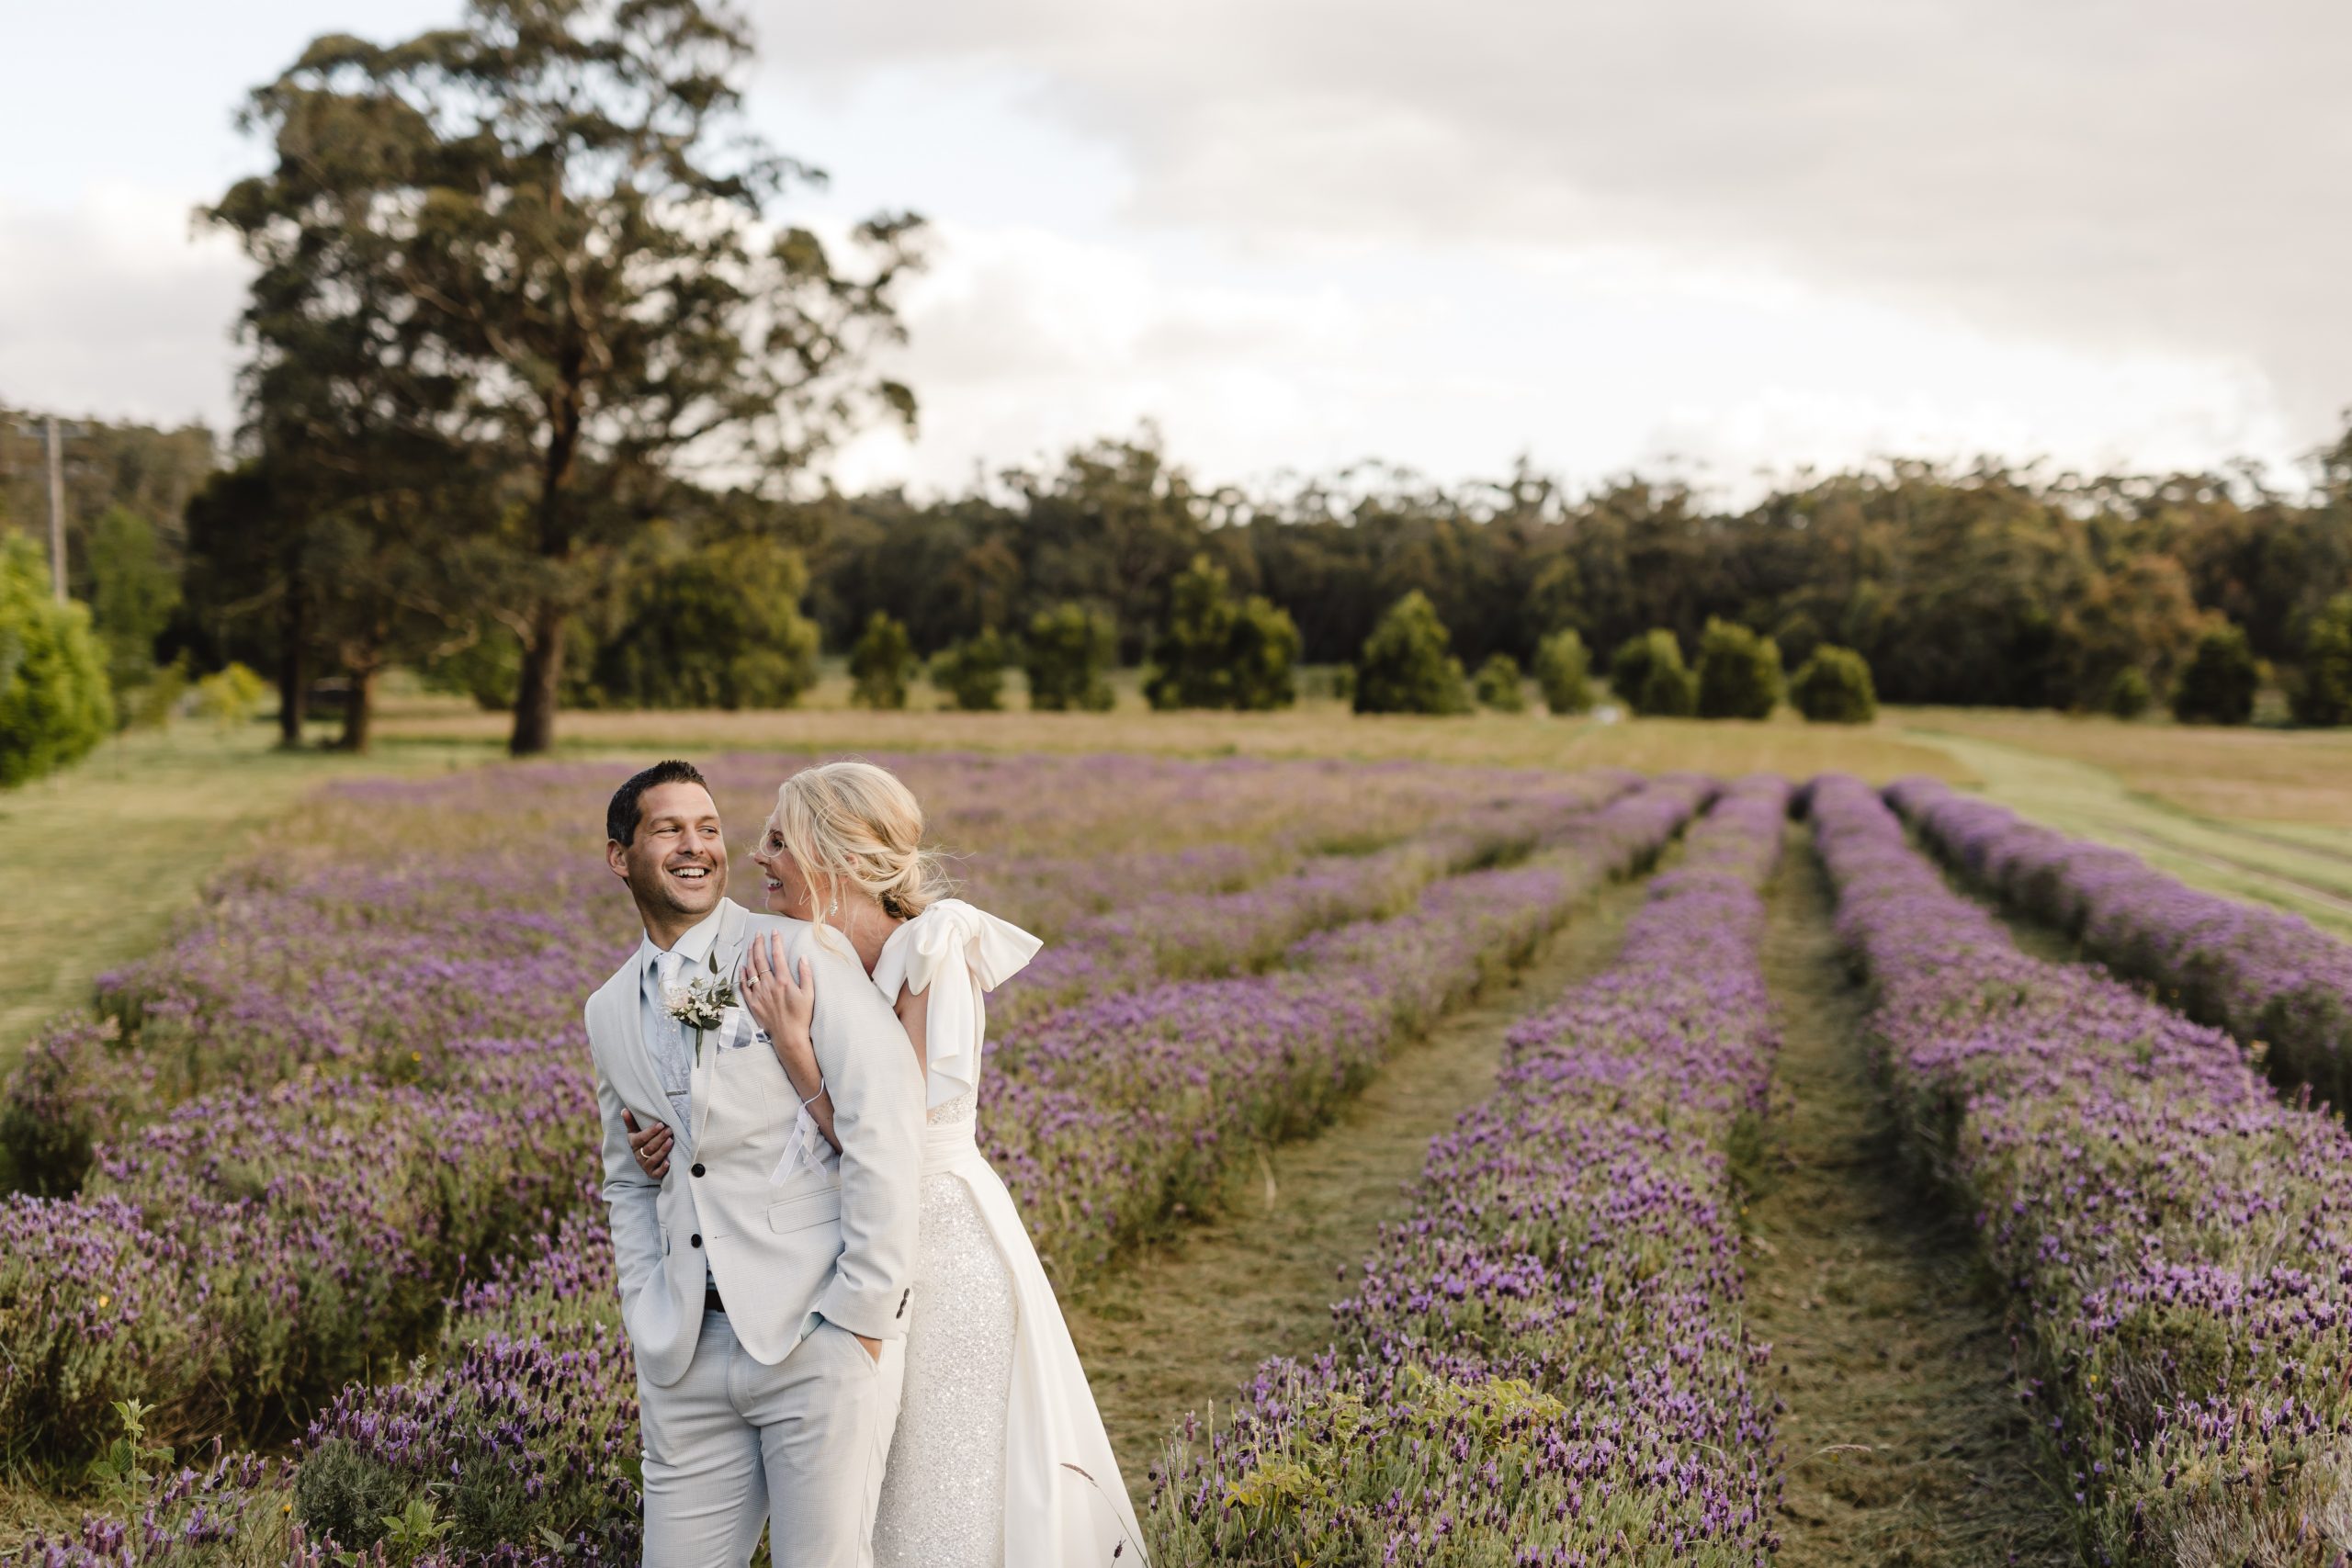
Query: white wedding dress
[1000, 1460]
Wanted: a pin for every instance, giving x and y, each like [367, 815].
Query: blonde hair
[854, 825]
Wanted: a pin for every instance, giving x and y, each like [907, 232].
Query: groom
[768, 1321]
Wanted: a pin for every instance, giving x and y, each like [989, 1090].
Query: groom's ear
[616, 858]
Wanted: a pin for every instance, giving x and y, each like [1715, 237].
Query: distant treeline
[1983, 586]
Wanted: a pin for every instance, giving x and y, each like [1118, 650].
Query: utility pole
[56, 512]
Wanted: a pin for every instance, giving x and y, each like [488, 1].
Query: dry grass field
[2288, 776]
[1315, 727]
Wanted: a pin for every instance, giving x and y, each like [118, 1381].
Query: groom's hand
[651, 1147]
[873, 1347]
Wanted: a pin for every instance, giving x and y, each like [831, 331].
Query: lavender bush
[1113, 1111]
[382, 1019]
[1545, 1363]
[272, 1241]
[413, 925]
[2271, 979]
[2176, 1242]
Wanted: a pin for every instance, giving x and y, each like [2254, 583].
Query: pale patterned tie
[676, 1064]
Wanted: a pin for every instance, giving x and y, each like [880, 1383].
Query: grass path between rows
[1185, 1321]
[1901, 1439]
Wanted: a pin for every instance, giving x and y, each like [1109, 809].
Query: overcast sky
[1734, 235]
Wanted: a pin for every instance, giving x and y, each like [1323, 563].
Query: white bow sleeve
[956, 953]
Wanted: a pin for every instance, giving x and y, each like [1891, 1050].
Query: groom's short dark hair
[627, 811]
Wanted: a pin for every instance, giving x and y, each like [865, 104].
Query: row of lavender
[2265, 974]
[406, 927]
[1546, 1363]
[2179, 1241]
[258, 1246]
[1110, 1111]
[1105, 1115]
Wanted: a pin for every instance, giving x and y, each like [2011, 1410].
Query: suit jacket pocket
[811, 1209]
[737, 1029]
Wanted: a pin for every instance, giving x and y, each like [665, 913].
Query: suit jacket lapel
[734, 922]
[624, 1025]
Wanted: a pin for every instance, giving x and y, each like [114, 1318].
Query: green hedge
[55, 703]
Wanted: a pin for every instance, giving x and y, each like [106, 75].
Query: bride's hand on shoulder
[782, 1003]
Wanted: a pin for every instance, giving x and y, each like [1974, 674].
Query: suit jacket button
[695, 1240]
[697, 1168]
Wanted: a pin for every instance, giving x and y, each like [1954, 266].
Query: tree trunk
[542, 678]
[358, 711]
[293, 669]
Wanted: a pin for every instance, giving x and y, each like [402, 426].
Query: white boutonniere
[701, 1003]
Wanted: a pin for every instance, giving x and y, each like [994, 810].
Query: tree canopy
[540, 244]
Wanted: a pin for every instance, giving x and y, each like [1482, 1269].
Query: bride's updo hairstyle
[852, 825]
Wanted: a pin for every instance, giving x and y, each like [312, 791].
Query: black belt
[710, 1301]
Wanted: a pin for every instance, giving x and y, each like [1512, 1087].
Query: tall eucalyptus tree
[566, 222]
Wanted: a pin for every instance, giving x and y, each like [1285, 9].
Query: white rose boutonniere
[701, 1003]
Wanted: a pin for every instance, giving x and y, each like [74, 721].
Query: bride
[1000, 1460]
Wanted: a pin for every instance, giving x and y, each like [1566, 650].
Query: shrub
[1563, 671]
[132, 596]
[1217, 653]
[154, 701]
[1799, 635]
[1739, 673]
[972, 672]
[882, 663]
[719, 627]
[1499, 687]
[1834, 687]
[1649, 677]
[2220, 684]
[1263, 653]
[230, 696]
[2128, 694]
[1069, 648]
[2324, 694]
[54, 700]
[1405, 667]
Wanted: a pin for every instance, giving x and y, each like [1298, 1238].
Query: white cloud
[1297, 233]
[114, 307]
[2126, 176]
[1455, 359]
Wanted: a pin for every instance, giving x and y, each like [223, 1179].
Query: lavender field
[305, 1268]
[2267, 977]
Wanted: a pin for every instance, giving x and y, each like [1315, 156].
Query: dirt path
[1902, 1441]
[1185, 1323]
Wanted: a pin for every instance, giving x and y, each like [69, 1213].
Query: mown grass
[2303, 866]
[2294, 777]
[95, 862]
[1901, 1435]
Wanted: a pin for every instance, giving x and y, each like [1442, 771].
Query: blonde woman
[999, 1459]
